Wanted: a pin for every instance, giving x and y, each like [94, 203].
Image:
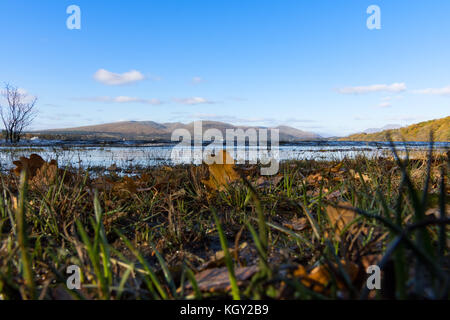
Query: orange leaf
[356, 176]
[222, 173]
[319, 277]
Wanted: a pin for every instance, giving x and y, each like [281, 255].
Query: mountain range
[386, 127]
[154, 131]
[150, 130]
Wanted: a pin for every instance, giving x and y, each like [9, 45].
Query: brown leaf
[102, 184]
[370, 259]
[31, 164]
[314, 179]
[178, 194]
[436, 212]
[217, 279]
[340, 218]
[218, 259]
[333, 195]
[276, 180]
[126, 185]
[262, 182]
[265, 181]
[297, 224]
[47, 173]
[40, 173]
[115, 217]
[221, 174]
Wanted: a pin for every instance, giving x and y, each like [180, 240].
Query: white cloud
[395, 87]
[263, 121]
[193, 101]
[392, 98]
[121, 99]
[230, 119]
[197, 80]
[22, 91]
[385, 105]
[115, 79]
[435, 91]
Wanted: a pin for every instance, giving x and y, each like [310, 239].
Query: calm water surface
[128, 154]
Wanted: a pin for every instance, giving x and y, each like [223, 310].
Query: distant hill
[150, 130]
[416, 132]
[386, 127]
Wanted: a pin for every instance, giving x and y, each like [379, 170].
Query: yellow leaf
[356, 176]
[337, 167]
[221, 173]
[319, 277]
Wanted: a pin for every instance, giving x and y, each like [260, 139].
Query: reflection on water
[151, 155]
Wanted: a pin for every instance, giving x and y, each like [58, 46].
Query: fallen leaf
[436, 212]
[356, 176]
[221, 174]
[31, 164]
[218, 259]
[265, 181]
[262, 182]
[40, 173]
[337, 167]
[126, 185]
[319, 277]
[370, 259]
[114, 218]
[46, 175]
[178, 194]
[217, 279]
[314, 178]
[333, 195]
[297, 224]
[340, 218]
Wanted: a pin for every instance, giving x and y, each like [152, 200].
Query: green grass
[149, 241]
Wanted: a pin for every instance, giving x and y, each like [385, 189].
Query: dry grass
[149, 236]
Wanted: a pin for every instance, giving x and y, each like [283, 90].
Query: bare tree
[18, 113]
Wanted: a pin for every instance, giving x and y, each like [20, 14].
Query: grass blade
[228, 260]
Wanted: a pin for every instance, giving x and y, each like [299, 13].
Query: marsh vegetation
[202, 232]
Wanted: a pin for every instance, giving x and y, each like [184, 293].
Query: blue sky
[313, 65]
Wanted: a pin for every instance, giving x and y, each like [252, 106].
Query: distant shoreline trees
[17, 113]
